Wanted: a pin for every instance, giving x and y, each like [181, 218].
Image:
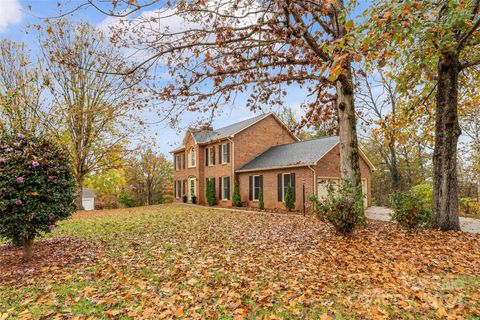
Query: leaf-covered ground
[178, 261]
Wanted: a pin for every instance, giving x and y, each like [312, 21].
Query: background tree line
[68, 94]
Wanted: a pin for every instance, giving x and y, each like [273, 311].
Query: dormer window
[192, 159]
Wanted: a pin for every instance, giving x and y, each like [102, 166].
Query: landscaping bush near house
[236, 200]
[211, 198]
[194, 199]
[289, 198]
[260, 201]
[184, 198]
[410, 210]
[37, 189]
[343, 208]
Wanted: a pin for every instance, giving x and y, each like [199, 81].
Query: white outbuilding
[88, 199]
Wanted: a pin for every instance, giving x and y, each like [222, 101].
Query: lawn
[175, 261]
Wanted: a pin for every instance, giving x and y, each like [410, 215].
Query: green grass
[181, 261]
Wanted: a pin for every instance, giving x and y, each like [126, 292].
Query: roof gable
[201, 136]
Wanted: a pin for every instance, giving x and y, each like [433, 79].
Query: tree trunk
[79, 195]
[347, 123]
[394, 174]
[27, 248]
[447, 131]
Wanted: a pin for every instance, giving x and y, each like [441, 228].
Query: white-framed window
[225, 188]
[211, 155]
[257, 187]
[178, 189]
[225, 153]
[192, 158]
[178, 162]
[285, 179]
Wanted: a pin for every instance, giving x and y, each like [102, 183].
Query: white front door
[322, 188]
[192, 188]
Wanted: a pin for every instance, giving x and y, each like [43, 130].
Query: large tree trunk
[394, 174]
[447, 131]
[347, 123]
[79, 193]
[27, 248]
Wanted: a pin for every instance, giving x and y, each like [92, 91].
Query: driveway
[383, 214]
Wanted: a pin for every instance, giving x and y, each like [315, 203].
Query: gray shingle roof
[88, 193]
[292, 154]
[203, 136]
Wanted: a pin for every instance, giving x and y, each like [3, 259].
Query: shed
[88, 199]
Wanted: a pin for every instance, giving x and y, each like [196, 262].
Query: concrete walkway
[383, 214]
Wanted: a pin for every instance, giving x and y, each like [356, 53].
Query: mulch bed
[50, 256]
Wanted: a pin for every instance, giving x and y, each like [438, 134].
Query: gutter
[276, 167]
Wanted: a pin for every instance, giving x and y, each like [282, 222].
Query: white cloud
[10, 13]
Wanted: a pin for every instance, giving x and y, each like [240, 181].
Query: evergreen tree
[211, 199]
[289, 198]
[236, 200]
[260, 200]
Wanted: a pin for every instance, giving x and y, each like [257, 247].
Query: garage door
[322, 192]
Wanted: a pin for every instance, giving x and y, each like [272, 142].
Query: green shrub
[410, 210]
[236, 200]
[37, 189]
[211, 198]
[260, 200]
[342, 208]
[469, 205]
[184, 198]
[194, 199]
[126, 201]
[289, 198]
[425, 192]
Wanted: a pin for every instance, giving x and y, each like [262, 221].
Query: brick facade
[245, 146]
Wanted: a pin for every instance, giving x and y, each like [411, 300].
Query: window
[225, 188]
[178, 189]
[283, 180]
[178, 162]
[255, 185]
[192, 158]
[225, 153]
[210, 156]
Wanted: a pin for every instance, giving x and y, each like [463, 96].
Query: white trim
[189, 160]
[364, 156]
[223, 187]
[283, 184]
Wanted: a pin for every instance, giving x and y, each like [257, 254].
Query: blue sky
[15, 16]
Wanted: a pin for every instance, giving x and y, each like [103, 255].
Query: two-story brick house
[261, 154]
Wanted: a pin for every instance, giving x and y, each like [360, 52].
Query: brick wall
[329, 166]
[258, 138]
[270, 187]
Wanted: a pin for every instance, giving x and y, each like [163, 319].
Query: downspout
[232, 158]
[314, 180]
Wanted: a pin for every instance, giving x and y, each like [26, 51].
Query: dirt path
[383, 214]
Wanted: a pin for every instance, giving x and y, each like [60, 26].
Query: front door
[192, 188]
